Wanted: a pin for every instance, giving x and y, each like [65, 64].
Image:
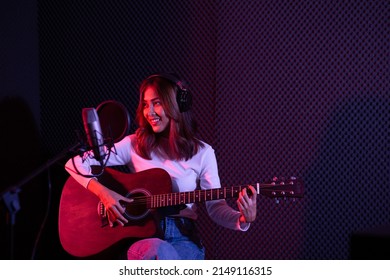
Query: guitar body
[82, 230]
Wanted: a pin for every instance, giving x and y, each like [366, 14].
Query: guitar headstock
[282, 187]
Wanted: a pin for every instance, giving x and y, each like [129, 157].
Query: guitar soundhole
[137, 209]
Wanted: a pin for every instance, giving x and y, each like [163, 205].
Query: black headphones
[183, 95]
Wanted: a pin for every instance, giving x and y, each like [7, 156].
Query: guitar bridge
[102, 212]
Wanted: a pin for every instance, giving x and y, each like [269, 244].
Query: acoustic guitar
[83, 224]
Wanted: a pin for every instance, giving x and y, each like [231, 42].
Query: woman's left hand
[247, 205]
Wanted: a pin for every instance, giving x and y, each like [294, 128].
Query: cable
[110, 148]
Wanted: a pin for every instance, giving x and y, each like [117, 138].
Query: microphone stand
[11, 194]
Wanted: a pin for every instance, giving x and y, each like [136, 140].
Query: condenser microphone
[94, 133]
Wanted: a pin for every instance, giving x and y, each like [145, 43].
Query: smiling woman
[154, 111]
[165, 118]
[166, 139]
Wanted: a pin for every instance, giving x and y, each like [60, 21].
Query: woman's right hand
[112, 201]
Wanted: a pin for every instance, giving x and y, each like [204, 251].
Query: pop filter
[114, 120]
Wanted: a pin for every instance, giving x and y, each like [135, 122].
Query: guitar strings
[171, 199]
[186, 197]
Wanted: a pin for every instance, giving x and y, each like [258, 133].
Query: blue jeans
[175, 246]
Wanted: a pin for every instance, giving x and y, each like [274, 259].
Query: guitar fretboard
[172, 199]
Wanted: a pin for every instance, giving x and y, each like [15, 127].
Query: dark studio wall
[20, 142]
[281, 89]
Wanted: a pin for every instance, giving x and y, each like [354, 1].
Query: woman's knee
[152, 249]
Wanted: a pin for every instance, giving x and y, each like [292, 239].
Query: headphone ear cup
[184, 99]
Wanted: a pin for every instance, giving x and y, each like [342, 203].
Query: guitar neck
[173, 199]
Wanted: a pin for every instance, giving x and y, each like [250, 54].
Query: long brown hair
[178, 141]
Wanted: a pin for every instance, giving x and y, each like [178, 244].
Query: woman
[166, 139]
